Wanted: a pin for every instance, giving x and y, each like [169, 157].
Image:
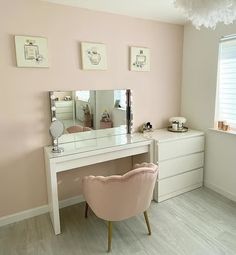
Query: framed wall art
[31, 51]
[94, 56]
[139, 59]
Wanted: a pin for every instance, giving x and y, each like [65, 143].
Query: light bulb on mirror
[53, 97]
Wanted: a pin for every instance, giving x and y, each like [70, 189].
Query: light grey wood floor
[200, 222]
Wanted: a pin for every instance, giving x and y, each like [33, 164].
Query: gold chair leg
[86, 210]
[109, 235]
[147, 222]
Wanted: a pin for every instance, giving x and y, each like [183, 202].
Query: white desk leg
[151, 152]
[147, 157]
[53, 196]
[152, 158]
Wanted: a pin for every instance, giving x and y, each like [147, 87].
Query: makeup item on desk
[177, 124]
[146, 127]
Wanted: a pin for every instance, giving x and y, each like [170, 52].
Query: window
[82, 95]
[226, 99]
[120, 98]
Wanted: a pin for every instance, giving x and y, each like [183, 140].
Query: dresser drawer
[179, 165]
[64, 103]
[64, 116]
[178, 184]
[177, 148]
[64, 110]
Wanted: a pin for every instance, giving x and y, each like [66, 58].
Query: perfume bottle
[31, 50]
[140, 59]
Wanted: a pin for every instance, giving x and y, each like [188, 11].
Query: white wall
[200, 57]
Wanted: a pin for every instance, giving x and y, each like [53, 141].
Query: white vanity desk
[88, 152]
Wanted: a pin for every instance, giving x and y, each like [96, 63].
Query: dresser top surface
[108, 142]
[163, 135]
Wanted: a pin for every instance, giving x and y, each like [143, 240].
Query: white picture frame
[31, 51]
[94, 56]
[139, 59]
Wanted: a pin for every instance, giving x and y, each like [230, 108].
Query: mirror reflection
[87, 110]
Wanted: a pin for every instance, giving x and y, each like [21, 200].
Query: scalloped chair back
[116, 198]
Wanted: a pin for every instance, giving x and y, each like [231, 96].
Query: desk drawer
[178, 184]
[179, 165]
[173, 149]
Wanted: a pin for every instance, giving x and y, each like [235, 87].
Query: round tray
[182, 130]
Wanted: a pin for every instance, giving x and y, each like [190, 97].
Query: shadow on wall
[45, 119]
[11, 42]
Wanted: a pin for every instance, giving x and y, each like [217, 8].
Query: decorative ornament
[207, 13]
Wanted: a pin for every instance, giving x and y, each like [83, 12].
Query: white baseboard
[23, 215]
[71, 201]
[37, 211]
[220, 191]
[178, 192]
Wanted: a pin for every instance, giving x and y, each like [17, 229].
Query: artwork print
[139, 59]
[93, 56]
[31, 51]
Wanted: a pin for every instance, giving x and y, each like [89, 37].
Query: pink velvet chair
[78, 128]
[116, 198]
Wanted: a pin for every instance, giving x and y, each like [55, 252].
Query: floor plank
[195, 223]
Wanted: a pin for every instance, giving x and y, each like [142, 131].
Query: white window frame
[120, 95]
[219, 84]
[83, 95]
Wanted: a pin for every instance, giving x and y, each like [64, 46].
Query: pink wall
[24, 113]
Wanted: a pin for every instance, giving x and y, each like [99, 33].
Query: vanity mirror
[88, 114]
[56, 130]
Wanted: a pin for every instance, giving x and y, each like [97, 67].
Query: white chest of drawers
[180, 157]
[65, 110]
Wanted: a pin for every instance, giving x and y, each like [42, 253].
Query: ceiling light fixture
[207, 13]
